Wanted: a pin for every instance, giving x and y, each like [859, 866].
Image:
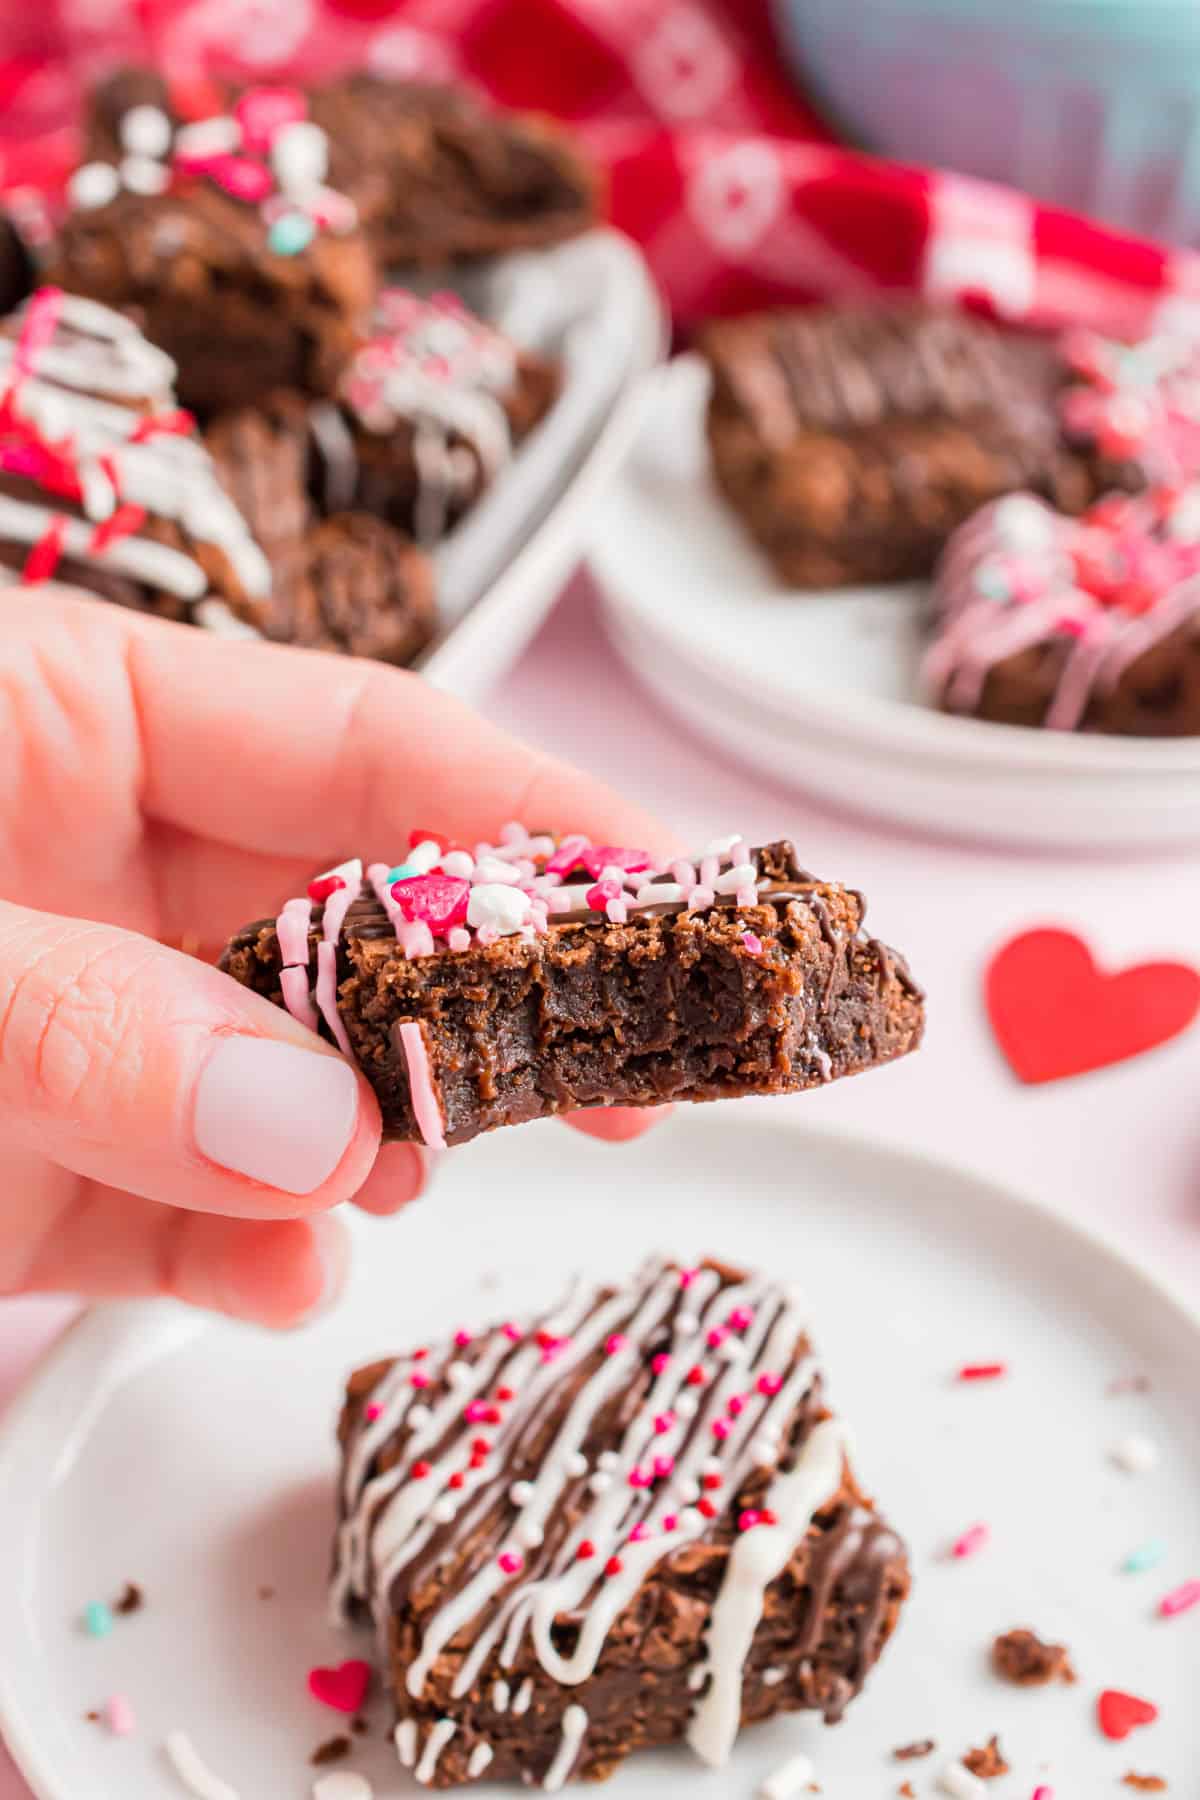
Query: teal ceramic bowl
[1092, 104]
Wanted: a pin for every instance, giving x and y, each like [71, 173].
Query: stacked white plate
[821, 689]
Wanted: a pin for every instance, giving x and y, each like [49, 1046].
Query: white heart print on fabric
[683, 66]
[737, 195]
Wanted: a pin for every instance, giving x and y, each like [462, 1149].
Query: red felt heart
[1119, 1713]
[343, 1688]
[1055, 1013]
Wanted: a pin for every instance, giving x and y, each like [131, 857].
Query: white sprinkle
[343, 1784]
[528, 1534]
[521, 1493]
[732, 1350]
[424, 856]
[772, 1677]
[300, 158]
[443, 1512]
[419, 1416]
[687, 1404]
[712, 1465]
[457, 1373]
[720, 846]
[142, 175]
[504, 909]
[607, 1459]
[435, 1743]
[689, 1519]
[787, 1780]
[405, 1738]
[742, 875]
[500, 1696]
[659, 893]
[208, 137]
[765, 1452]
[1135, 1454]
[459, 863]
[686, 1324]
[524, 1696]
[145, 131]
[576, 1463]
[697, 1677]
[574, 1725]
[599, 1484]
[93, 184]
[195, 1774]
[960, 1784]
[479, 1759]
[688, 1491]
[492, 869]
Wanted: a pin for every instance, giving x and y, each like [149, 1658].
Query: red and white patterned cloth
[739, 193]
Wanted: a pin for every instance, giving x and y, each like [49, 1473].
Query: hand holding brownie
[161, 1129]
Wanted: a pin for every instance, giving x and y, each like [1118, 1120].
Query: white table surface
[1120, 1148]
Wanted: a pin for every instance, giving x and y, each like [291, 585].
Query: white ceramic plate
[821, 689]
[593, 304]
[196, 1458]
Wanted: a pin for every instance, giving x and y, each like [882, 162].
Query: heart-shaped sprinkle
[1119, 1713]
[439, 900]
[343, 1688]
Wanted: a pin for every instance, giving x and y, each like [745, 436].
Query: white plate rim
[113, 1324]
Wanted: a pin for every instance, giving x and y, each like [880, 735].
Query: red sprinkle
[586, 1551]
[167, 424]
[457, 1480]
[420, 1470]
[481, 1446]
[696, 1376]
[1180, 1600]
[749, 1519]
[323, 886]
[613, 1566]
[971, 1540]
[982, 1371]
[712, 1482]
[420, 1355]
[504, 1395]
[1118, 1714]
[706, 1509]
[44, 558]
[767, 1517]
[417, 836]
[372, 1410]
[121, 523]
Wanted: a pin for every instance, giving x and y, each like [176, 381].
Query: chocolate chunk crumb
[907, 1791]
[987, 1762]
[92, 1717]
[266, 1593]
[1023, 1658]
[332, 1750]
[1145, 1784]
[359, 1726]
[909, 1752]
[131, 1599]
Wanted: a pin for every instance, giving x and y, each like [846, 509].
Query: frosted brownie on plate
[487, 986]
[627, 1523]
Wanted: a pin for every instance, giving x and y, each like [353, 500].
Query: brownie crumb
[131, 1599]
[359, 1726]
[910, 1752]
[1023, 1658]
[986, 1762]
[1145, 1784]
[907, 1791]
[93, 1718]
[331, 1751]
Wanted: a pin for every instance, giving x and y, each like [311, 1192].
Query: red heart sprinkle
[598, 857]
[418, 836]
[1056, 1014]
[440, 900]
[1119, 1714]
[343, 1688]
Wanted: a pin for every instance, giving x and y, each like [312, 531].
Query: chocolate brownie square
[485, 988]
[629, 1522]
[852, 441]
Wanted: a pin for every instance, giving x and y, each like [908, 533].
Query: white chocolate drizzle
[574, 1730]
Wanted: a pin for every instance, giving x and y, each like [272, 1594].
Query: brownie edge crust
[768, 988]
[629, 1522]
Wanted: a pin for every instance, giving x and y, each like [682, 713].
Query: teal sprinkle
[97, 1619]
[992, 583]
[291, 234]
[402, 872]
[1147, 1556]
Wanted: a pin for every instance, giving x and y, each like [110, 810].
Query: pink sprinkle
[1043, 1793]
[737, 1405]
[371, 1411]
[741, 1318]
[720, 1428]
[418, 1379]
[664, 1466]
[663, 1422]
[670, 1522]
[511, 1562]
[513, 1333]
[769, 1384]
[660, 1363]
[970, 1541]
[687, 1276]
[462, 1339]
[239, 176]
[640, 1531]
[121, 1721]
[616, 1343]
[749, 1519]
[599, 896]
[751, 939]
[638, 1478]
[1180, 1600]
[263, 111]
[475, 1412]
[716, 1337]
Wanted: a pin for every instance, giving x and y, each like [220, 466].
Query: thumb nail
[275, 1112]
